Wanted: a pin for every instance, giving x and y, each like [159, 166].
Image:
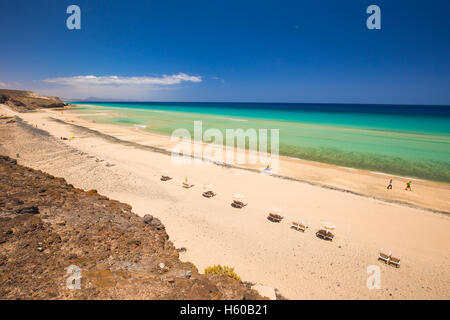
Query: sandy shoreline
[430, 195]
[300, 265]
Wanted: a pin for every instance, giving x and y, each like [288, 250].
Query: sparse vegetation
[222, 270]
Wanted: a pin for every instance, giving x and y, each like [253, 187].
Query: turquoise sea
[411, 141]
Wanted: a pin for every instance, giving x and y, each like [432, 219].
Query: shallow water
[412, 141]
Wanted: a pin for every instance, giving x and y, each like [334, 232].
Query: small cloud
[2, 85]
[116, 80]
[113, 86]
[218, 79]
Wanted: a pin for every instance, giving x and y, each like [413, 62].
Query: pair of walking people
[408, 185]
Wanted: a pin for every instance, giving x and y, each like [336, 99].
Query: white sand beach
[300, 265]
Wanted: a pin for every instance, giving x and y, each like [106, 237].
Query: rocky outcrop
[149, 219]
[50, 230]
[27, 100]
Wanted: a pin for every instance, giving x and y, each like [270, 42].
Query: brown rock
[26, 100]
[61, 222]
[29, 210]
[118, 255]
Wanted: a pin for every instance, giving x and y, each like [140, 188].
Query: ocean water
[411, 141]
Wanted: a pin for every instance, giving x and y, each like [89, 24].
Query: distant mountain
[95, 99]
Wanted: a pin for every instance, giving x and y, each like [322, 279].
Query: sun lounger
[165, 176]
[325, 235]
[275, 217]
[395, 260]
[238, 201]
[208, 194]
[275, 214]
[238, 204]
[208, 191]
[384, 255]
[186, 184]
[300, 226]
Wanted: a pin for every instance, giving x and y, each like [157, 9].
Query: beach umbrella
[328, 225]
[238, 197]
[208, 187]
[277, 210]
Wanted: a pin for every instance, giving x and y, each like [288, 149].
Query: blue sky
[247, 51]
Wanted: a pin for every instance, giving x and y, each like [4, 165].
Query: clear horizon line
[280, 102]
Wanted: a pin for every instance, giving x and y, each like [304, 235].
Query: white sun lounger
[384, 255]
[186, 184]
[325, 234]
[300, 226]
[209, 194]
[238, 201]
[395, 260]
[239, 204]
[165, 176]
[275, 217]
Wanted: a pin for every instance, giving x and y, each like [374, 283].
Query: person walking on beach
[408, 186]
[389, 185]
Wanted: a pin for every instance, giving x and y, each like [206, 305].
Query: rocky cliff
[27, 100]
[47, 225]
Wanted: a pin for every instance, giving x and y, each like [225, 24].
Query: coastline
[400, 144]
[299, 265]
[166, 150]
[372, 184]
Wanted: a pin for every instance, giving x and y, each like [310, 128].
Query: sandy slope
[298, 264]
